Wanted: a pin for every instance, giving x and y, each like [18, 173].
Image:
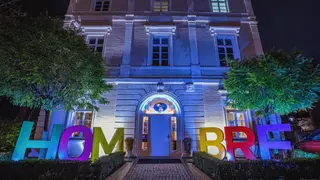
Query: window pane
[99, 49]
[174, 133]
[92, 41]
[156, 40]
[165, 40]
[165, 63]
[92, 48]
[88, 119]
[222, 5]
[164, 49]
[228, 42]
[223, 63]
[155, 56]
[222, 56]
[100, 41]
[78, 117]
[156, 49]
[229, 50]
[220, 41]
[164, 56]
[155, 63]
[221, 50]
[145, 132]
[106, 6]
[98, 6]
[230, 56]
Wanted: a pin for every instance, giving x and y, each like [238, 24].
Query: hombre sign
[58, 143]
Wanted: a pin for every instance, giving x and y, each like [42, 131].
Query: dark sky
[283, 24]
[289, 25]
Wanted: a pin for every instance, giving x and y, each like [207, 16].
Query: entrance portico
[159, 127]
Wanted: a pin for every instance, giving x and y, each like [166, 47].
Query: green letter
[99, 138]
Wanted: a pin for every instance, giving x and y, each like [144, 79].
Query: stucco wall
[200, 108]
[115, 44]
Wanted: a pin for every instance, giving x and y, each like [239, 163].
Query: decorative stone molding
[189, 87]
[96, 30]
[160, 87]
[224, 30]
[161, 29]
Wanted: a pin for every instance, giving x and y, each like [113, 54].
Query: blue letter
[23, 142]
[265, 145]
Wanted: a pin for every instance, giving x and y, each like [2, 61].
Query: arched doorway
[159, 127]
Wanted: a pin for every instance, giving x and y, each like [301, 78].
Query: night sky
[283, 24]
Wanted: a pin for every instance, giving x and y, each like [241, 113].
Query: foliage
[44, 169]
[106, 165]
[9, 132]
[59, 169]
[44, 65]
[299, 154]
[287, 169]
[9, 7]
[273, 83]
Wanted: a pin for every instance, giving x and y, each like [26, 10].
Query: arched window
[158, 105]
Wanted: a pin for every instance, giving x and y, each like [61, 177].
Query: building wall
[194, 28]
[201, 108]
[198, 6]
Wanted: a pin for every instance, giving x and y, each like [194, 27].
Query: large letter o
[63, 146]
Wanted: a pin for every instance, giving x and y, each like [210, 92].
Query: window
[219, 6]
[174, 133]
[236, 118]
[102, 5]
[160, 50]
[96, 43]
[160, 5]
[82, 118]
[225, 50]
[145, 132]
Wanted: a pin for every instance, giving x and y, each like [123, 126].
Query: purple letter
[63, 147]
[265, 145]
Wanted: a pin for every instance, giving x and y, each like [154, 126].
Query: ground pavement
[159, 171]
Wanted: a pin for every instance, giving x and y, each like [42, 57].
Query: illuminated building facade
[166, 59]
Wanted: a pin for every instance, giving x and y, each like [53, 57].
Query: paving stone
[159, 172]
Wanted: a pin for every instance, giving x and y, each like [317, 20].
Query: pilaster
[195, 65]
[256, 37]
[125, 66]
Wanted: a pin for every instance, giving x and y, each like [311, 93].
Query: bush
[9, 132]
[44, 169]
[106, 165]
[266, 169]
[61, 169]
[299, 154]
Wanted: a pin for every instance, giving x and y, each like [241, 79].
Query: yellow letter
[99, 138]
[204, 143]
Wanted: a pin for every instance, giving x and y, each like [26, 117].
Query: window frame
[246, 120]
[170, 49]
[160, 45]
[235, 47]
[96, 45]
[101, 9]
[218, 3]
[73, 117]
[161, 7]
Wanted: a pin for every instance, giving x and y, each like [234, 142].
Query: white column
[195, 65]
[125, 66]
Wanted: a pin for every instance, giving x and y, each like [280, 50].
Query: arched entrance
[159, 127]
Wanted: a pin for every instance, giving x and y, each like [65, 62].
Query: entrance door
[160, 135]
